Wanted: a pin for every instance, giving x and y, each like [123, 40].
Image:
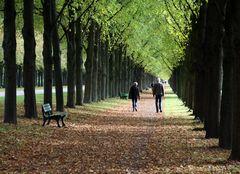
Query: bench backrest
[46, 109]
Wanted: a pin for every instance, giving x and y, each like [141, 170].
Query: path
[120, 141]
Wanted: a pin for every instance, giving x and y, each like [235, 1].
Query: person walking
[158, 92]
[134, 95]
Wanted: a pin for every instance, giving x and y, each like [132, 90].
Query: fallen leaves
[113, 141]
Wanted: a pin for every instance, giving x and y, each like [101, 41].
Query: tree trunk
[225, 137]
[111, 76]
[100, 69]
[124, 72]
[79, 63]
[117, 70]
[213, 57]
[104, 70]
[71, 62]
[235, 153]
[57, 60]
[95, 66]
[9, 53]
[19, 76]
[89, 65]
[107, 57]
[47, 52]
[29, 67]
[1, 75]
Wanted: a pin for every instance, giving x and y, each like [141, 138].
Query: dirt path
[120, 141]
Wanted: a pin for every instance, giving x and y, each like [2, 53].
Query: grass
[174, 105]
[92, 107]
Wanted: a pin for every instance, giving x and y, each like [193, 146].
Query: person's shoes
[160, 110]
[135, 109]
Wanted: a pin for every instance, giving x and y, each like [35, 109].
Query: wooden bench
[48, 115]
[123, 95]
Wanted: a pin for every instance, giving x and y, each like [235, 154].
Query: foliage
[155, 32]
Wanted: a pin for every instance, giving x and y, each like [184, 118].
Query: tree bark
[47, 52]
[79, 63]
[213, 57]
[89, 65]
[95, 65]
[117, 71]
[107, 56]
[111, 76]
[9, 53]
[57, 60]
[235, 153]
[100, 69]
[104, 71]
[19, 76]
[71, 61]
[29, 67]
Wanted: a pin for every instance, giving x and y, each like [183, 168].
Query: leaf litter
[115, 140]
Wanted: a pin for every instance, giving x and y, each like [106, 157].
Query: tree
[9, 50]
[79, 63]
[225, 136]
[47, 51]
[89, 64]
[71, 59]
[57, 59]
[235, 153]
[29, 67]
[213, 57]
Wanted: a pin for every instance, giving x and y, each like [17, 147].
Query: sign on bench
[48, 115]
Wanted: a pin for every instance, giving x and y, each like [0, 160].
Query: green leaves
[155, 32]
[149, 27]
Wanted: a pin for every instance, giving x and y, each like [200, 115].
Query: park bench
[123, 95]
[48, 115]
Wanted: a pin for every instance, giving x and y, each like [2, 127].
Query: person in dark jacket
[134, 95]
[158, 92]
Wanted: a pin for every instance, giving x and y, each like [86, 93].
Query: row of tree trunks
[217, 79]
[109, 71]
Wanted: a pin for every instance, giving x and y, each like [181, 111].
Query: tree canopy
[154, 32]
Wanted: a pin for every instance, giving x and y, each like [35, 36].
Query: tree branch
[123, 6]
[178, 25]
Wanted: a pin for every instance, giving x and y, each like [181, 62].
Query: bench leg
[63, 124]
[58, 123]
[48, 121]
[44, 121]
